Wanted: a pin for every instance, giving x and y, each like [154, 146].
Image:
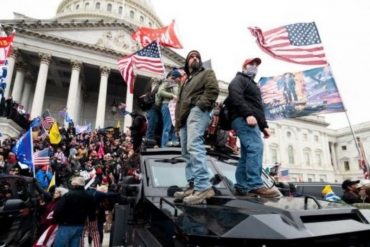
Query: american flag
[47, 120]
[43, 133]
[148, 58]
[284, 175]
[364, 165]
[271, 93]
[296, 43]
[41, 157]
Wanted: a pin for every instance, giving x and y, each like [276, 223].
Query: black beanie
[186, 68]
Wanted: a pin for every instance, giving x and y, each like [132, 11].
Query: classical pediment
[118, 40]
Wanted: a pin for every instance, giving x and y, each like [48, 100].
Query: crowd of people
[104, 157]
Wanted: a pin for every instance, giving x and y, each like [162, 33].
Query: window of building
[109, 7]
[150, 24]
[288, 134]
[97, 5]
[318, 157]
[316, 138]
[291, 155]
[77, 6]
[87, 5]
[311, 177]
[142, 19]
[346, 165]
[307, 156]
[344, 147]
[323, 178]
[305, 137]
[120, 10]
[132, 14]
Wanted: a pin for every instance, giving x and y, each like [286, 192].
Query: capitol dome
[137, 12]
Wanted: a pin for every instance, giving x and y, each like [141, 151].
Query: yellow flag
[52, 182]
[118, 126]
[54, 134]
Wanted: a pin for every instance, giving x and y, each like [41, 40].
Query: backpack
[224, 118]
[146, 101]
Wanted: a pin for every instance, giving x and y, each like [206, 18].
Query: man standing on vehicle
[248, 119]
[196, 99]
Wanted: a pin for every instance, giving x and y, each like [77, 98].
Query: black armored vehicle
[19, 206]
[152, 217]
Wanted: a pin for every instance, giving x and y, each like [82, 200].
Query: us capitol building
[71, 60]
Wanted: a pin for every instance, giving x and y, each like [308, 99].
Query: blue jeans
[193, 149]
[153, 116]
[249, 170]
[168, 133]
[68, 236]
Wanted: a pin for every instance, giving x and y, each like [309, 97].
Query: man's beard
[194, 66]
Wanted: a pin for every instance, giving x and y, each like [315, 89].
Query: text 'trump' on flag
[296, 43]
[148, 59]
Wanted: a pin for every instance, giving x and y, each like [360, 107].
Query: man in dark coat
[196, 99]
[138, 129]
[71, 213]
[248, 119]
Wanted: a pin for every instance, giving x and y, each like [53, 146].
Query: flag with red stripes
[41, 157]
[47, 120]
[295, 43]
[146, 59]
[363, 163]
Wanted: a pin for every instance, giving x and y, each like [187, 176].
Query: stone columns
[102, 99]
[129, 107]
[11, 62]
[18, 82]
[38, 98]
[72, 105]
[26, 92]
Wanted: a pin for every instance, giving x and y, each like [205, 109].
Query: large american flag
[148, 58]
[41, 157]
[296, 43]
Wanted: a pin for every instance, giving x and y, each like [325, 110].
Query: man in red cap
[248, 119]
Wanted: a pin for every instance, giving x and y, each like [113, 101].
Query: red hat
[105, 180]
[251, 60]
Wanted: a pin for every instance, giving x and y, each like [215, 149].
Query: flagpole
[349, 122]
[33, 163]
[356, 139]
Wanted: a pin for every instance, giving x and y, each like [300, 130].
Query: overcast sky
[218, 29]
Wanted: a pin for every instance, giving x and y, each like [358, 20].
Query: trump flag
[165, 35]
[300, 94]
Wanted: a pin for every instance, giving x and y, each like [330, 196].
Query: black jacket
[74, 207]
[245, 100]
